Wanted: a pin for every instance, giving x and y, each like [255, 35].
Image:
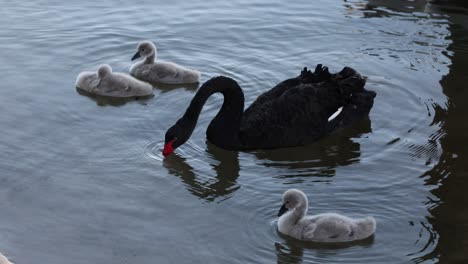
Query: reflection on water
[292, 250]
[374, 8]
[447, 228]
[321, 158]
[75, 183]
[218, 187]
[449, 177]
[113, 101]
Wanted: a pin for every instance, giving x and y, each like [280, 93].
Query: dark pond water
[82, 179]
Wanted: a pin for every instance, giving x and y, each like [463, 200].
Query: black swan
[295, 112]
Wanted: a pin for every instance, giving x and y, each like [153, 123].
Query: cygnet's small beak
[136, 56]
[282, 210]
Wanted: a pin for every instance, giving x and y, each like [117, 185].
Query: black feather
[294, 112]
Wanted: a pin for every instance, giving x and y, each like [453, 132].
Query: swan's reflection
[322, 157]
[226, 169]
[292, 250]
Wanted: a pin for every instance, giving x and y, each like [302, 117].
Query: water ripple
[98, 175]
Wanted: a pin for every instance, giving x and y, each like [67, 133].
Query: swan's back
[331, 227]
[113, 84]
[164, 72]
[296, 111]
[171, 73]
[319, 75]
[124, 85]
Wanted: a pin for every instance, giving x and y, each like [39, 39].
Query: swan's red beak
[168, 148]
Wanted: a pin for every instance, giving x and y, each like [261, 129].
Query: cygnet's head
[103, 70]
[292, 198]
[144, 49]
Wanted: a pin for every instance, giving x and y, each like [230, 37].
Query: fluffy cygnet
[4, 260]
[114, 84]
[159, 71]
[328, 227]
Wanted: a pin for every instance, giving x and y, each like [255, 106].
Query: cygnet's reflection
[291, 250]
[115, 101]
[112, 101]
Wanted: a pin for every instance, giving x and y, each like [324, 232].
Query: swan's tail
[365, 227]
[320, 74]
[191, 76]
[4, 260]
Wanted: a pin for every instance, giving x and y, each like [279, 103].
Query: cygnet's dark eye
[287, 202]
[142, 49]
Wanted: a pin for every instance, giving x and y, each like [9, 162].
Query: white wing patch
[335, 114]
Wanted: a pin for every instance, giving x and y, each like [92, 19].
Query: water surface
[82, 179]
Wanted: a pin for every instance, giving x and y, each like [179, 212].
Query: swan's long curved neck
[297, 214]
[302, 209]
[291, 218]
[224, 128]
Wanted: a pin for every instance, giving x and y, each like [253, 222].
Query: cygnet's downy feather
[113, 84]
[156, 71]
[328, 227]
[4, 260]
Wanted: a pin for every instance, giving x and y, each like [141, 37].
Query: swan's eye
[287, 202]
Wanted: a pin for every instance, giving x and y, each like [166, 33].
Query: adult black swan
[295, 112]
